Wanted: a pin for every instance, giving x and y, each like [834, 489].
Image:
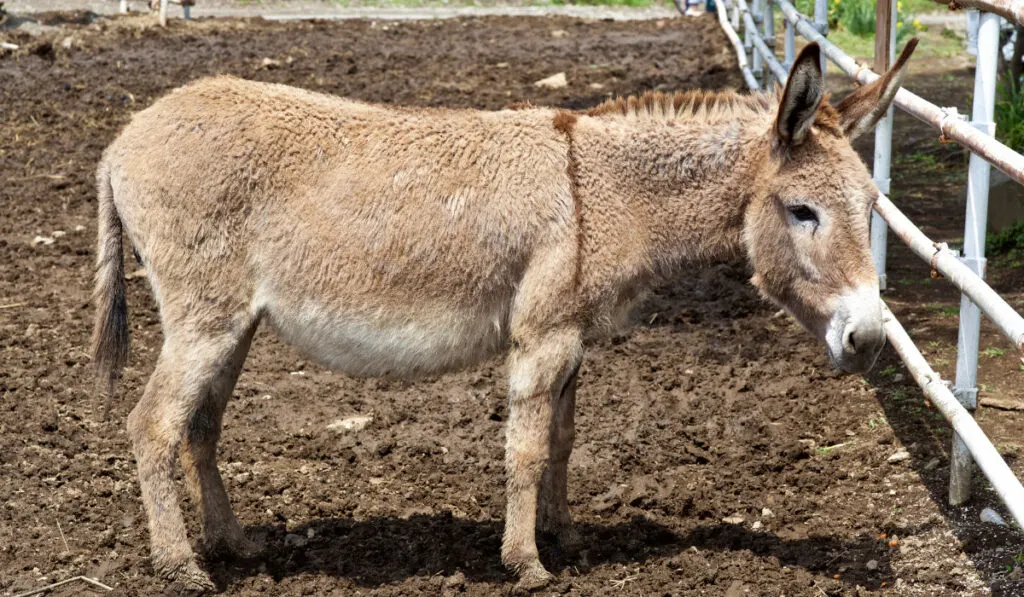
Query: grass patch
[993, 352]
[1007, 245]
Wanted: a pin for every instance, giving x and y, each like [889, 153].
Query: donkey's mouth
[855, 335]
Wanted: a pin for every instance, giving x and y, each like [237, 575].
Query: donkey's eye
[804, 214]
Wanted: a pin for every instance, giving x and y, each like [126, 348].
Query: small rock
[310, 533]
[293, 540]
[501, 65]
[757, 526]
[456, 580]
[559, 33]
[990, 515]
[79, 228]
[1016, 574]
[242, 478]
[356, 423]
[734, 519]
[872, 565]
[43, 240]
[897, 378]
[556, 81]
[58, 233]
[270, 63]
[596, 86]
[67, 42]
[899, 456]
[933, 463]
[766, 513]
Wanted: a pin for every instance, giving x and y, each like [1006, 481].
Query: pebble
[899, 456]
[766, 513]
[872, 565]
[1016, 574]
[43, 240]
[293, 540]
[757, 526]
[933, 463]
[734, 519]
[897, 378]
[356, 423]
[556, 81]
[990, 515]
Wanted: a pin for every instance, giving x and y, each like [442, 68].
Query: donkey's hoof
[188, 579]
[239, 548]
[532, 578]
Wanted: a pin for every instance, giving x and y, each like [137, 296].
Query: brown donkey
[402, 242]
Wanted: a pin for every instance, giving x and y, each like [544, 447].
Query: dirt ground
[717, 454]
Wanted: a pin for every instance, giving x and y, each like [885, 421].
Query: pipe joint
[968, 397]
[882, 184]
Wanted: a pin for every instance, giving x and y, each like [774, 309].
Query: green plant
[993, 352]
[1009, 112]
[1008, 244]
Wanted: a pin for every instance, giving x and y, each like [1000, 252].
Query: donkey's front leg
[554, 517]
[538, 368]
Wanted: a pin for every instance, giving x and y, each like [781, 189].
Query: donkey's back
[379, 240]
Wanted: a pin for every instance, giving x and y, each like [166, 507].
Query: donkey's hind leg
[553, 508]
[222, 535]
[188, 368]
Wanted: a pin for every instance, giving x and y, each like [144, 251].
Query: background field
[717, 454]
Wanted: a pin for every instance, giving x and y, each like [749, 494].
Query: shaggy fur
[401, 242]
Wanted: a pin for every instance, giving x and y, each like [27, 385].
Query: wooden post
[883, 14]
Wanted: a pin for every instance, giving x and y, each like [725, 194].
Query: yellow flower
[917, 24]
[899, 24]
[899, 6]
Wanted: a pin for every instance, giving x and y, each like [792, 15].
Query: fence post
[753, 58]
[885, 54]
[821, 24]
[769, 38]
[790, 45]
[966, 391]
[757, 63]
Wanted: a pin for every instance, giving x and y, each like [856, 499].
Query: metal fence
[761, 68]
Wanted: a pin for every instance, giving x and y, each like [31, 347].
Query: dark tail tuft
[110, 332]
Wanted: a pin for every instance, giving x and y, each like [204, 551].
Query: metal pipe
[821, 24]
[883, 146]
[982, 114]
[995, 469]
[755, 62]
[948, 263]
[997, 154]
[1011, 10]
[730, 32]
[761, 49]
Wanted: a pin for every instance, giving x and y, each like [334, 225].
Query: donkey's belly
[392, 342]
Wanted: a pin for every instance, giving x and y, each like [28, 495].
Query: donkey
[401, 242]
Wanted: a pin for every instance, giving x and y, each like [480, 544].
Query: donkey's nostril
[849, 340]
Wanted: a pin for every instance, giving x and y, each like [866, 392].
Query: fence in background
[760, 67]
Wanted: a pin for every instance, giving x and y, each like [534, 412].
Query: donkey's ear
[801, 98]
[860, 111]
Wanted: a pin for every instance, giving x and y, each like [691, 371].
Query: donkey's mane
[696, 104]
[706, 106]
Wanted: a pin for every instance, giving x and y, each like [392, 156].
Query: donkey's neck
[673, 190]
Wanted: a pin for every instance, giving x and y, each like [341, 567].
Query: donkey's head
[806, 229]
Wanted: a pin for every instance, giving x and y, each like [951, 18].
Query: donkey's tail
[110, 331]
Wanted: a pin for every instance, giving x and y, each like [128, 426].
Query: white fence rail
[966, 274]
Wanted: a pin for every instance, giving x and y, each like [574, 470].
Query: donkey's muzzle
[855, 335]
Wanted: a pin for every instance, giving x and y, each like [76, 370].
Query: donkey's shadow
[385, 550]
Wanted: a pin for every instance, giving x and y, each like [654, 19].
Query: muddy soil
[717, 454]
